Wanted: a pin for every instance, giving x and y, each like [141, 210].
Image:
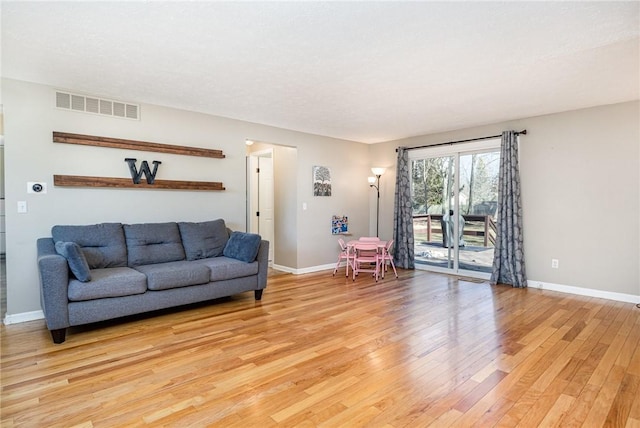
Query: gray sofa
[91, 273]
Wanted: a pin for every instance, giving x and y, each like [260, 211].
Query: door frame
[456, 151]
[253, 191]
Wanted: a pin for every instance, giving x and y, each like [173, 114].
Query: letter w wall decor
[144, 169]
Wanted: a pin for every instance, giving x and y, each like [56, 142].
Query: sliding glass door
[454, 191]
[432, 184]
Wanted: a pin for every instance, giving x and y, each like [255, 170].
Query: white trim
[589, 292]
[429, 268]
[310, 269]
[282, 268]
[485, 276]
[262, 153]
[23, 317]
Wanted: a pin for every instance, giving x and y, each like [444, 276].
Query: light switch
[22, 207]
[304, 206]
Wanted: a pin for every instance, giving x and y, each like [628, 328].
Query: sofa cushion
[103, 244]
[108, 282]
[227, 268]
[150, 243]
[203, 240]
[75, 259]
[242, 246]
[174, 274]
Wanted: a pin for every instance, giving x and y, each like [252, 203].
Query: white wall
[30, 118]
[286, 202]
[350, 190]
[580, 190]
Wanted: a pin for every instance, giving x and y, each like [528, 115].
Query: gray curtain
[403, 213]
[508, 258]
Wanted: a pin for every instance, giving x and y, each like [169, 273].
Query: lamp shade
[378, 170]
[371, 180]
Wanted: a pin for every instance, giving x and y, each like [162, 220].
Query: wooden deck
[422, 350]
[477, 255]
[471, 259]
[487, 231]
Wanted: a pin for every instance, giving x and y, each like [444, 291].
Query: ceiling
[361, 71]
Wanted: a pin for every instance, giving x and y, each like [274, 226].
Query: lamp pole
[375, 182]
[377, 187]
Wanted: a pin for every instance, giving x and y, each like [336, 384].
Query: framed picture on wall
[321, 181]
[339, 225]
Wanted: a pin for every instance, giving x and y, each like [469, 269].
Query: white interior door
[2, 207]
[260, 198]
[252, 194]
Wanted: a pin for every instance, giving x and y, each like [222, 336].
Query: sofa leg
[59, 335]
[258, 294]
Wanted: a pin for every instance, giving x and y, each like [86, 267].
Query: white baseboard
[23, 317]
[589, 292]
[283, 268]
[303, 270]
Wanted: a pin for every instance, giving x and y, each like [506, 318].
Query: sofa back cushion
[203, 240]
[103, 245]
[149, 243]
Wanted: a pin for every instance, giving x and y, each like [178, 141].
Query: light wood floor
[422, 350]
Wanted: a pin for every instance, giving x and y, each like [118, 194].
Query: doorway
[454, 195]
[260, 198]
[3, 261]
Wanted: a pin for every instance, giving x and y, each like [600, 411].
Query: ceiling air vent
[95, 105]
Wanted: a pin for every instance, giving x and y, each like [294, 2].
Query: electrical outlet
[555, 263]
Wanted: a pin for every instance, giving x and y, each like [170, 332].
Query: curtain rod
[523, 132]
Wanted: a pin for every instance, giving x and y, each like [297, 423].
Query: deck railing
[488, 232]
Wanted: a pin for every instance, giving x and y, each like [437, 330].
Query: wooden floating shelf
[91, 140]
[127, 183]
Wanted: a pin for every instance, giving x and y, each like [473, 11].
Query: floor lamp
[375, 182]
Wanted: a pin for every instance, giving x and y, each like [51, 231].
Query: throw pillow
[203, 240]
[242, 246]
[75, 259]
